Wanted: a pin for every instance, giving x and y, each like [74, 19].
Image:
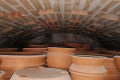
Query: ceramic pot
[59, 57]
[38, 46]
[80, 49]
[11, 63]
[98, 50]
[88, 67]
[42, 50]
[2, 75]
[111, 52]
[87, 47]
[41, 74]
[75, 45]
[8, 49]
[113, 73]
[117, 62]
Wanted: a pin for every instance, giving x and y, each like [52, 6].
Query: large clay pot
[87, 47]
[8, 49]
[88, 67]
[117, 62]
[11, 63]
[75, 45]
[41, 74]
[38, 46]
[113, 73]
[59, 57]
[2, 75]
[42, 50]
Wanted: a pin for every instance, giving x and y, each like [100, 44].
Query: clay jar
[88, 67]
[75, 45]
[41, 74]
[113, 73]
[117, 62]
[11, 63]
[38, 46]
[8, 49]
[87, 47]
[2, 75]
[59, 57]
[42, 50]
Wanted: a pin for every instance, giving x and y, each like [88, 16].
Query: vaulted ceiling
[98, 19]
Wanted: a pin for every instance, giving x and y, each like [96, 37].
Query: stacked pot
[10, 63]
[2, 75]
[8, 49]
[59, 57]
[42, 50]
[41, 74]
[113, 73]
[88, 67]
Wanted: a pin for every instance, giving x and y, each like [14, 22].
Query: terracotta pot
[80, 49]
[91, 52]
[11, 63]
[111, 52]
[38, 46]
[75, 45]
[98, 50]
[41, 74]
[2, 75]
[88, 67]
[117, 62]
[87, 47]
[42, 50]
[113, 73]
[59, 57]
[8, 49]
[20, 53]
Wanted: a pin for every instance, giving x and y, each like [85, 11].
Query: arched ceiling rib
[99, 19]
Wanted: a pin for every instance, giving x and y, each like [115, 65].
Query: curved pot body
[42, 50]
[59, 58]
[41, 74]
[113, 73]
[84, 76]
[87, 47]
[117, 62]
[11, 63]
[88, 67]
[8, 49]
[2, 75]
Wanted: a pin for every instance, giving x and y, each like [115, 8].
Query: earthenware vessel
[88, 67]
[11, 63]
[41, 74]
[75, 45]
[87, 47]
[117, 62]
[113, 73]
[59, 57]
[38, 46]
[42, 50]
[2, 75]
[8, 49]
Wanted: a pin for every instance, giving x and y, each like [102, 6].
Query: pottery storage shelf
[10, 63]
[2, 75]
[41, 74]
[88, 67]
[59, 57]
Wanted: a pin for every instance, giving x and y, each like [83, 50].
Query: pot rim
[34, 48]
[117, 56]
[87, 56]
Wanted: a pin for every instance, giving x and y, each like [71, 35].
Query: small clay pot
[42, 50]
[113, 73]
[111, 52]
[38, 46]
[41, 74]
[8, 49]
[87, 46]
[117, 62]
[2, 75]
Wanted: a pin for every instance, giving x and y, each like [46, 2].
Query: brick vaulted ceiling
[98, 19]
